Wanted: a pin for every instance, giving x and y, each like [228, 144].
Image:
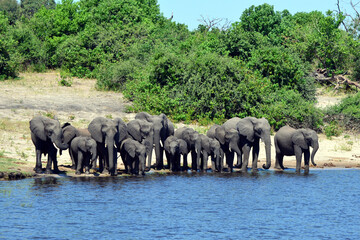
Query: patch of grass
[109, 116]
[9, 164]
[71, 117]
[49, 114]
[344, 146]
[13, 126]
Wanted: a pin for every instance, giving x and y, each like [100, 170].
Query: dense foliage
[259, 66]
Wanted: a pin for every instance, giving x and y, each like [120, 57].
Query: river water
[267, 205]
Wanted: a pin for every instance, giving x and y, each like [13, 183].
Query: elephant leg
[79, 163]
[239, 160]
[38, 166]
[185, 163]
[246, 150]
[306, 161]
[298, 155]
[193, 160]
[51, 158]
[176, 162]
[279, 161]
[168, 160]
[73, 165]
[87, 164]
[213, 164]
[125, 160]
[205, 162]
[255, 153]
[230, 160]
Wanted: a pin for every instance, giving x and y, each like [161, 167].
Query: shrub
[113, 76]
[346, 113]
[332, 129]
[286, 106]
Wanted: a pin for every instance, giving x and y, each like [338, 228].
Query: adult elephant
[44, 133]
[133, 155]
[251, 130]
[83, 152]
[229, 143]
[163, 128]
[143, 132]
[103, 131]
[295, 142]
[193, 141]
[175, 147]
[210, 147]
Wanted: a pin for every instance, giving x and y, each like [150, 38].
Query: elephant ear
[170, 128]
[245, 128]
[183, 146]
[37, 127]
[130, 148]
[95, 129]
[82, 143]
[134, 130]
[122, 130]
[69, 132]
[220, 134]
[298, 138]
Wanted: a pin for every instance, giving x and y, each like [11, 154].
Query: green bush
[332, 129]
[115, 75]
[347, 112]
[286, 106]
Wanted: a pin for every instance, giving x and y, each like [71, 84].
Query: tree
[30, 7]
[11, 9]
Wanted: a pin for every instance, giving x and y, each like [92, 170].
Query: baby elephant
[174, 147]
[211, 147]
[133, 155]
[83, 153]
[290, 142]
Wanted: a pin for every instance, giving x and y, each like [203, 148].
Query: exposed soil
[40, 93]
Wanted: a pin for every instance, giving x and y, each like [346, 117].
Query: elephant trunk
[268, 154]
[315, 146]
[158, 152]
[57, 138]
[93, 151]
[110, 145]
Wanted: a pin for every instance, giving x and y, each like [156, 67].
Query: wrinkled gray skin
[229, 143]
[295, 142]
[175, 147]
[163, 128]
[44, 133]
[83, 152]
[133, 155]
[103, 131]
[70, 132]
[193, 140]
[142, 131]
[210, 147]
[250, 131]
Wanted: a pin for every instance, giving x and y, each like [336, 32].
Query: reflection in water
[259, 205]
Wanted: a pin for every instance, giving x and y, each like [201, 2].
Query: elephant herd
[135, 141]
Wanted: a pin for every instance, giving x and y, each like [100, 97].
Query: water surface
[268, 205]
